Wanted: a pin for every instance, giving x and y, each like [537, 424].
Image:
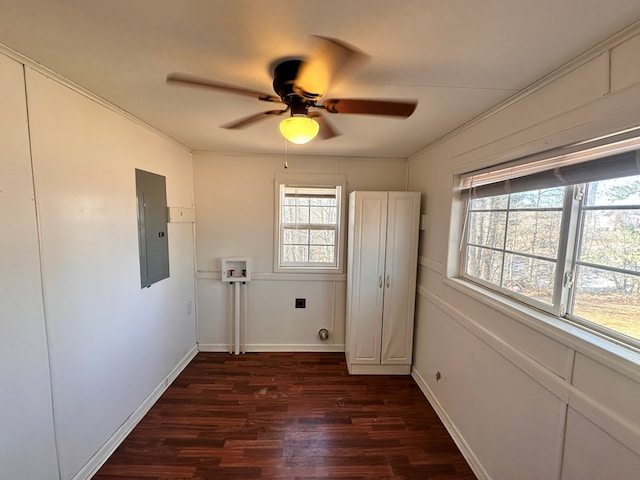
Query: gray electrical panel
[153, 241]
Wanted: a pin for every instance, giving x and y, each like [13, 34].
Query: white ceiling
[458, 58]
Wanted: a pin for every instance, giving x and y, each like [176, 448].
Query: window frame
[294, 180]
[555, 307]
[567, 256]
[576, 262]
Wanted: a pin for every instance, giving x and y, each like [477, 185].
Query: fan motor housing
[284, 77]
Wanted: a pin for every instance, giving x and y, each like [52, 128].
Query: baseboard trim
[269, 347]
[213, 347]
[102, 455]
[459, 440]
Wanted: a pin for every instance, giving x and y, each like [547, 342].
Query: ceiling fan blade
[370, 107]
[327, 130]
[243, 122]
[188, 80]
[332, 59]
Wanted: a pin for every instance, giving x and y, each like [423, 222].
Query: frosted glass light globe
[299, 130]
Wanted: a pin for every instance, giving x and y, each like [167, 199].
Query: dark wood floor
[287, 416]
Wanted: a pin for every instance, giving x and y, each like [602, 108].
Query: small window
[308, 226]
[561, 234]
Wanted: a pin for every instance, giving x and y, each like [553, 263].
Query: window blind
[581, 163]
[298, 192]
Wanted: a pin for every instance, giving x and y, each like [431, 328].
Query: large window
[309, 233]
[562, 235]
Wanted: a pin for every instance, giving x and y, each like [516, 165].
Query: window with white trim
[309, 227]
[562, 234]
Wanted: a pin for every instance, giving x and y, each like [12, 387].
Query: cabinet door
[403, 216]
[367, 236]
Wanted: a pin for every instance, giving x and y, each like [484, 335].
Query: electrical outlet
[301, 303]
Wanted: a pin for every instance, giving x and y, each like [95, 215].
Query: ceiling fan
[300, 85]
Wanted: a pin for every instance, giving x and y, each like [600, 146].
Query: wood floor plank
[294, 416]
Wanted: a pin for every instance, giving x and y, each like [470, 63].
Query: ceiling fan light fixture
[299, 129]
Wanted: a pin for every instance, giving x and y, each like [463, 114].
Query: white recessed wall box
[236, 269]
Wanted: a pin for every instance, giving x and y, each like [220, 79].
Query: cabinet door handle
[380, 282]
[388, 281]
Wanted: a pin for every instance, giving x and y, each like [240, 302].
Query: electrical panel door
[153, 241]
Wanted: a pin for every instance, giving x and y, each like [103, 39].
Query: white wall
[526, 397]
[88, 350]
[234, 198]
[27, 447]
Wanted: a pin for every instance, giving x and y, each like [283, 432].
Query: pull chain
[286, 154]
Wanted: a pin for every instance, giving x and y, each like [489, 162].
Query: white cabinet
[381, 281]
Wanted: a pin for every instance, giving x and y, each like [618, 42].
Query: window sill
[308, 270]
[622, 358]
[304, 274]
